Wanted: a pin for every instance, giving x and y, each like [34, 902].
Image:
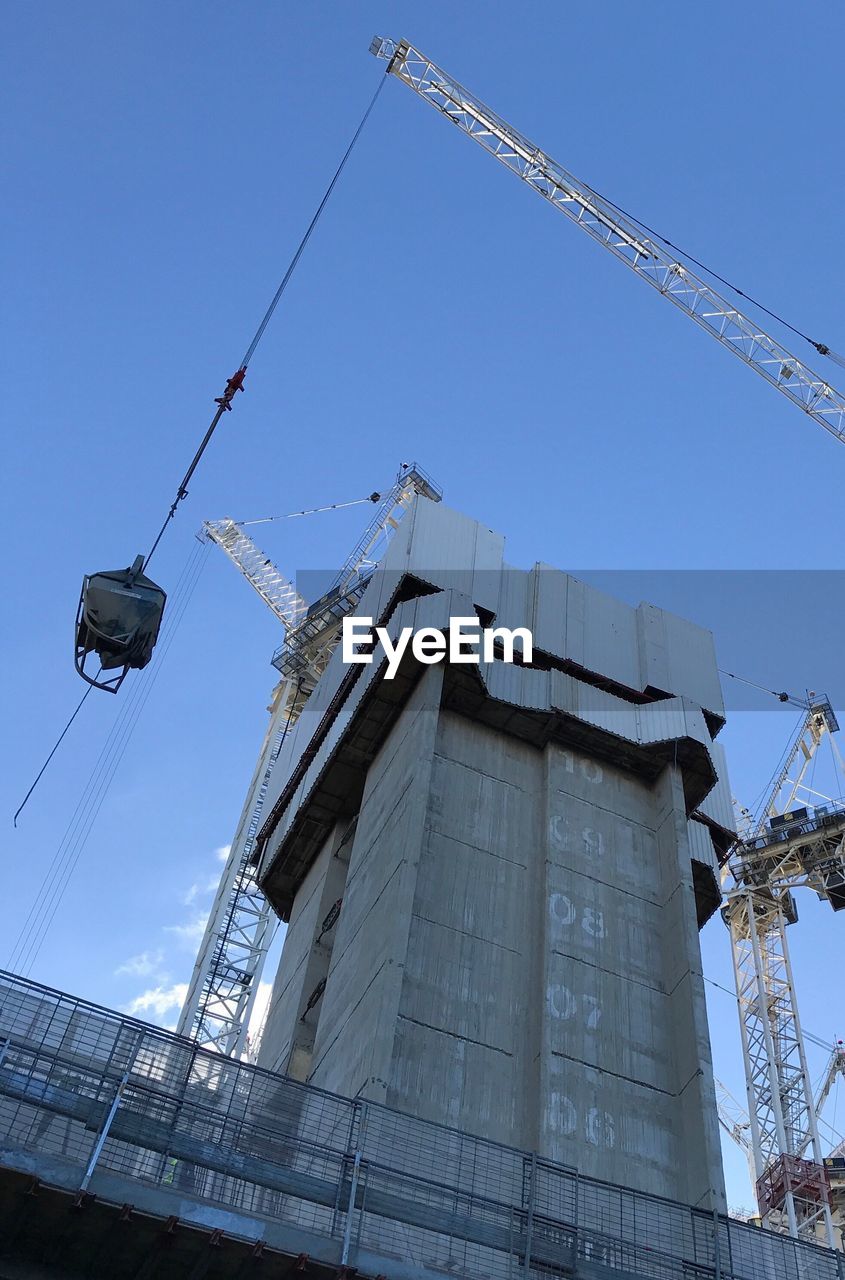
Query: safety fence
[108, 1092]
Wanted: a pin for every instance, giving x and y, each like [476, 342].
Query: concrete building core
[494, 876]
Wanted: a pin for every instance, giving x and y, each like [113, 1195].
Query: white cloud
[190, 933]
[201, 887]
[159, 1000]
[143, 965]
[199, 890]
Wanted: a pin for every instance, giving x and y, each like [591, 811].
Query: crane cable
[807, 1035]
[236, 382]
[56, 879]
[224, 403]
[821, 347]
[310, 511]
[781, 696]
[56, 746]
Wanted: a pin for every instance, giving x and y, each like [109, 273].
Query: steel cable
[224, 402]
[235, 383]
[54, 883]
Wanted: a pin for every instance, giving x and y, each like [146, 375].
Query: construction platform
[126, 1151]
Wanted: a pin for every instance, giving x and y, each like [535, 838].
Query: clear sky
[161, 163]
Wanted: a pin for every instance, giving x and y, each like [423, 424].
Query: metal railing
[103, 1091]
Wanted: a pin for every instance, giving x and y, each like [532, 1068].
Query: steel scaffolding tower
[790, 848]
[227, 972]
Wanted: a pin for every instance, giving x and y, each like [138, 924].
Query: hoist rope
[235, 383]
[50, 893]
[56, 746]
[224, 402]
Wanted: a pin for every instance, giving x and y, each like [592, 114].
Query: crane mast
[240, 928]
[626, 239]
[789, 849]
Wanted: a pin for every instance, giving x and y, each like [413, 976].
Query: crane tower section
[797, 847]
[224, 984]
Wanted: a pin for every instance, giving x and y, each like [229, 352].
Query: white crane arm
[835, 1067]
[732, 1116]
[621, 234]
[820, 720]
[260, 572]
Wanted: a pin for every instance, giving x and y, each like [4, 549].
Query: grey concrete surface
[533, 851]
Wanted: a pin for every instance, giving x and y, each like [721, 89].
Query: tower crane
[789, 848]
[224, 984]
[735, 1121]
[647, 254]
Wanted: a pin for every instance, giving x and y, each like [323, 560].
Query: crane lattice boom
[280, 595]
[790, 848]
[224, 984]
[627, 239]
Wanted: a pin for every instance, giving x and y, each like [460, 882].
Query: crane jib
[621, 234]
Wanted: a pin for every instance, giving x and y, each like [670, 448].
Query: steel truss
[241, 925]
[791, 1183]
[277, 593]
[240, 928]
[627, 239]
[791, 848]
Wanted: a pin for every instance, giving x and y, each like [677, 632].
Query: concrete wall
[517, 951]
[517, 955]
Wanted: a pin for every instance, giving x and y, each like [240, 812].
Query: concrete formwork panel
[517, 950]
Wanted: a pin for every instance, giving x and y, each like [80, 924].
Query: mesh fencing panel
[84, 1084]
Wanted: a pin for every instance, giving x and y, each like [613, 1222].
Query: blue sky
[161, 166]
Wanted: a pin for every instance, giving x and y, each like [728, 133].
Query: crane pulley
[627, 239]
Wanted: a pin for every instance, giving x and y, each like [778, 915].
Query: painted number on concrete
[593, 842]
[563, 1004]
[564, 912]
[562, 1118]
[561, 1114]
[601, 1131]
[588, 769]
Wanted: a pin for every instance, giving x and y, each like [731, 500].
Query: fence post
[104, 1132]
[529, 1221]
[360, 1110]
[717, 1246]
[576, 1186]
